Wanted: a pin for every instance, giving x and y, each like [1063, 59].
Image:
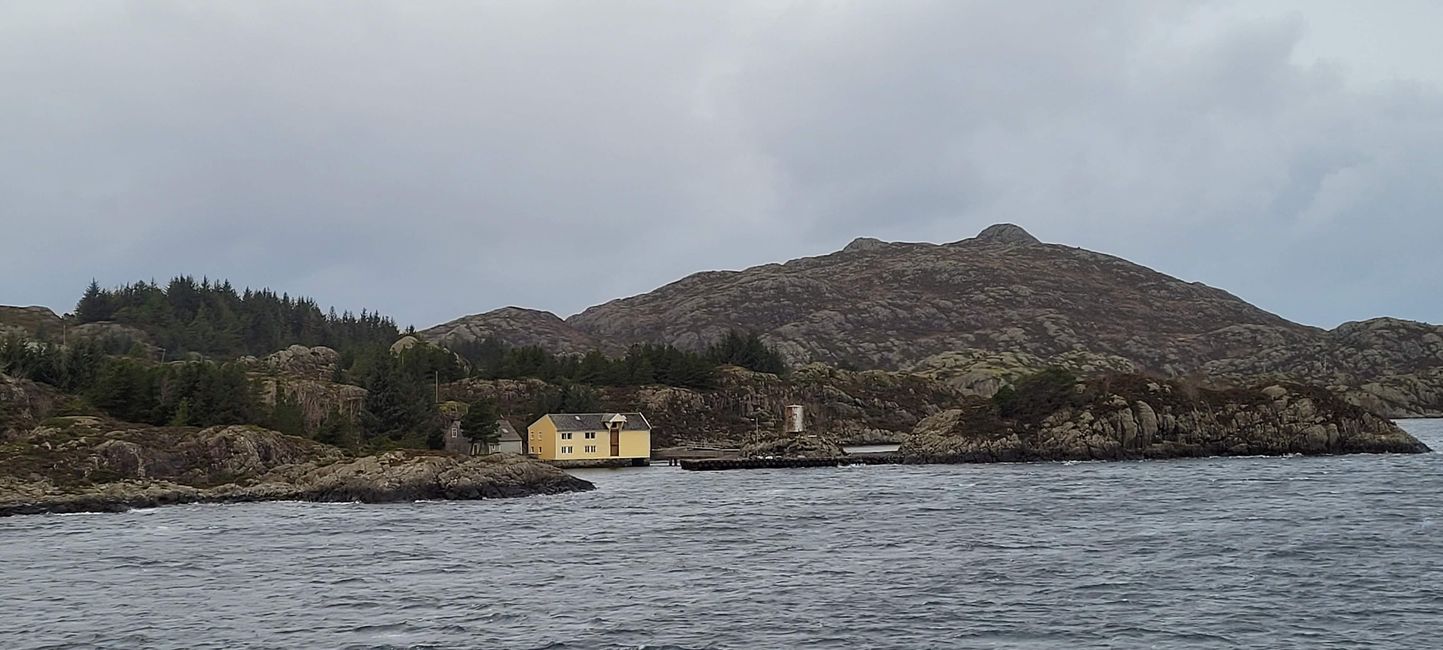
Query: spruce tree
[479, 425]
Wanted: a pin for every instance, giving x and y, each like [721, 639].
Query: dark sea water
[1341, 552]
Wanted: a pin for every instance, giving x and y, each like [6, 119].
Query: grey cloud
[437, 159]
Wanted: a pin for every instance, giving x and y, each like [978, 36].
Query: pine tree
[94, 305]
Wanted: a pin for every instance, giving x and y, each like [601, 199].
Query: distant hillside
[892, 305]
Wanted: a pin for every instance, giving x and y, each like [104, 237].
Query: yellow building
[590, 436]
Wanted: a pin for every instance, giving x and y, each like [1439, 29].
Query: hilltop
[893, 305]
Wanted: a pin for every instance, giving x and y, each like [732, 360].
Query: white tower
[795, 419]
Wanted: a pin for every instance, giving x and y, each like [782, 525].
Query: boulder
[312, 363]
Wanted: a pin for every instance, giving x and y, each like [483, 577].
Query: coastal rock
[1129, 417]
[73, 467]
[411, 476]
[782, 445]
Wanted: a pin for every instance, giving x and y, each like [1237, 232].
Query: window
[565, 436]
[590, 435]
[591, 449]
[566, 450]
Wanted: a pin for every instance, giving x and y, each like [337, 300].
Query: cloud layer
[437, 159]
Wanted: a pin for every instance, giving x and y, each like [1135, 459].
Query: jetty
[716, 464]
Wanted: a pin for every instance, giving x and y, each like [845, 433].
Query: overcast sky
[437, 159]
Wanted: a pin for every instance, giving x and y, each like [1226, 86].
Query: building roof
[596, 421]
[508, 432]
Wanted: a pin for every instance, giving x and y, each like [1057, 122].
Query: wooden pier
[715, 464]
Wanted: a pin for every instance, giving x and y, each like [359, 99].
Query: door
[616, 442]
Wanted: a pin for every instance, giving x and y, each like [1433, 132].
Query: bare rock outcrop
[317, 362]
[785, 445]
[23, 403]
[518, 327]
[31, 322]
[1130, 417]
[1006, 233]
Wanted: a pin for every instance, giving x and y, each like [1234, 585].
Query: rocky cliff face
[518, 327]
[1129, 416]
[23, 404]
[85, 464]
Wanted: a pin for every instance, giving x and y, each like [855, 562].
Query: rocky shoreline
[79, 468]
[1128, 417]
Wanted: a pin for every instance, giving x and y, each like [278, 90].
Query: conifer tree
[479, 425]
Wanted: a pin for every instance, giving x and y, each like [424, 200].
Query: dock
[716, 464]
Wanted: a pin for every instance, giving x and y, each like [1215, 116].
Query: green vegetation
[747, 351]
[1038, 395]
[214, 320]
[479, 423]
[641, 365]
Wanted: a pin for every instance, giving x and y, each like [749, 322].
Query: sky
[438, 159]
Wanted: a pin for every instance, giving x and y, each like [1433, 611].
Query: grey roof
[596, 421]
[508, 432]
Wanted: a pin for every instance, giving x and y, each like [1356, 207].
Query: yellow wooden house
[590, 436]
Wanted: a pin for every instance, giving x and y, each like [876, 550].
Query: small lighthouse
[795, 419]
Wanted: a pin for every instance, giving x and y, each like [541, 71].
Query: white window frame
[566, 450]
[565, 436]
[590, 435]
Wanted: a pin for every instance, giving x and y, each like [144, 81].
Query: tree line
[641, 365]
[213, 319]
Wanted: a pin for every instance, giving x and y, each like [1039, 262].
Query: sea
[1291, 552]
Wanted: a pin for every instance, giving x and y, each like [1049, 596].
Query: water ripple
[1337, 552]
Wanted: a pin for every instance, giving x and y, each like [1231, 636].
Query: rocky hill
[892, 305]
[518, 327]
